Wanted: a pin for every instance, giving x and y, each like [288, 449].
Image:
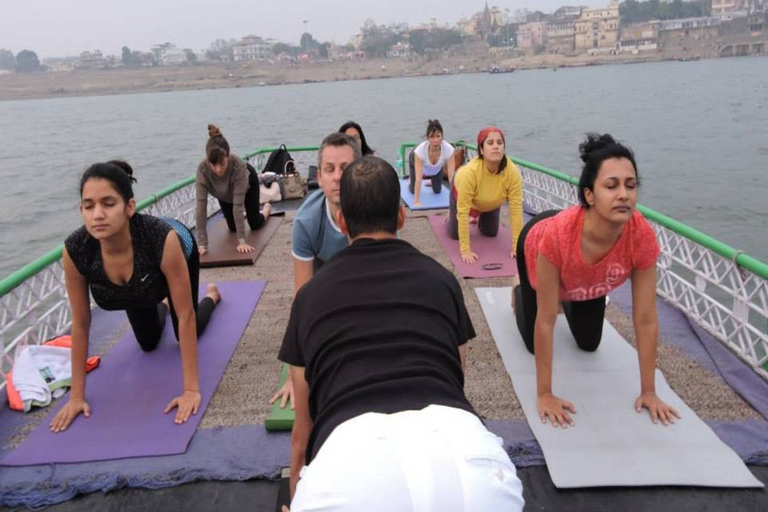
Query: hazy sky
[55, 28]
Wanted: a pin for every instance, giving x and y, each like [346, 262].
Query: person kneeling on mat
[431, 159]
[227, 178]
[315, 237]
[578, 255]
[382, 422]
[480, 188]
[133, 262]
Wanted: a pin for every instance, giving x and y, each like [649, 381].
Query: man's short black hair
[370, 197]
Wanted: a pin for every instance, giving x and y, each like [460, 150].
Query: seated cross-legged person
[376, 344]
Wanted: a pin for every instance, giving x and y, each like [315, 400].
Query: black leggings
[252, 206]
[148, 323]
[437, 179]
[584, 318]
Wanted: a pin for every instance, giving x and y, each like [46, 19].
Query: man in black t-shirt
[376, 343]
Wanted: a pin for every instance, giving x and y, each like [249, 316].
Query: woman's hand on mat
[556, 409]
[284, 394]
[469, 257]
[658, 409]
[244, 248]
[417, 203]
[68, 413]
[202, 250]
[188, 404]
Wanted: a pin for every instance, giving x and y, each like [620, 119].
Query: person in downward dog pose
[133, 262]
[381, 382]
[428, 160]
[578, 255]
[227, 178]
[480, 188]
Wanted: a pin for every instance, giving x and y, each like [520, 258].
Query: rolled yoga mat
[611, 444]
[281, 418]
[492, 252]
[429, 200]
[131, 388]
[222, 245]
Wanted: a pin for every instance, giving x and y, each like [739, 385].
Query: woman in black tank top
[133, 262]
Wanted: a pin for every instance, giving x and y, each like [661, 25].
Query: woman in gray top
[227, 178]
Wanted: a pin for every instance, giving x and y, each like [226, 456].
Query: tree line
[632, 11]
[25, 61]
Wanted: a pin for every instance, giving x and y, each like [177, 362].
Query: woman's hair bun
[594, 142]
[213, 131]
[125, 166]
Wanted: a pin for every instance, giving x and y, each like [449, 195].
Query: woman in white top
[428, 161]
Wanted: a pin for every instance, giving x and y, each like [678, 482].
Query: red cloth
[558, 238]
[485, 132]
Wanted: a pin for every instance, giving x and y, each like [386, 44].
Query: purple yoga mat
[489, 250]
[131, 388]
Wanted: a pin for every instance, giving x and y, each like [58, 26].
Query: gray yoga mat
[610, 444]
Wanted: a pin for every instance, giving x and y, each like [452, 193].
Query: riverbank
[21, 86]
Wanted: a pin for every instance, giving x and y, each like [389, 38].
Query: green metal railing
[723, 289]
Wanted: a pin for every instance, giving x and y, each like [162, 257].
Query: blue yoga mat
[131, 388]
[429, 200]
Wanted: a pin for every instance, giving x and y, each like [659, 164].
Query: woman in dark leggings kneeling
[132, 262]
[227, 178]
[578, 255]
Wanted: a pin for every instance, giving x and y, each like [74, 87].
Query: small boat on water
[719, 289]
[496, 69]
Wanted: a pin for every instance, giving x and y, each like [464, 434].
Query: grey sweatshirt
[230, 188]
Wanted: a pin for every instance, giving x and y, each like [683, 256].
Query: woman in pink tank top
[575, 257]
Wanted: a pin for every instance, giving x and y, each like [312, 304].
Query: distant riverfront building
[91, 60]
[251, 48]
[597, 30]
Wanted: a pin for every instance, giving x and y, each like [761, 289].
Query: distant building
[251, 48]
[399, 50]
[531, 35]
[695, 37]
[730, 9]
[597, 29]
[91, 60]
[561, 36]
[639, 37]
[744, 35]
[168, 54]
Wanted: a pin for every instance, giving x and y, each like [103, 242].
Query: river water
[699, 131]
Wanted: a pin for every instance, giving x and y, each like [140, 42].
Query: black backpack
[280, 162]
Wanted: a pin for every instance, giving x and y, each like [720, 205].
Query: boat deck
[251, 378]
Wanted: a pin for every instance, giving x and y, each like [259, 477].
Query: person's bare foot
[213, 293]
[266, 211]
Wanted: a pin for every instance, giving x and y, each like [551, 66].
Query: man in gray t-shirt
[316, 237]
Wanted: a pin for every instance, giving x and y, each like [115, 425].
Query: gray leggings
[437, 179]
[487, 223]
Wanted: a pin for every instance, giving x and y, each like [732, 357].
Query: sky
[58, 28]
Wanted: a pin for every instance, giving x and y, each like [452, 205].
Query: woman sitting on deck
[227, 178]
[578, 255]
[480, 188]
[429, 159]
[133, 262]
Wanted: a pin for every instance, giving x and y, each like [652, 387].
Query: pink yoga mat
[131, 388]
[489, 250]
